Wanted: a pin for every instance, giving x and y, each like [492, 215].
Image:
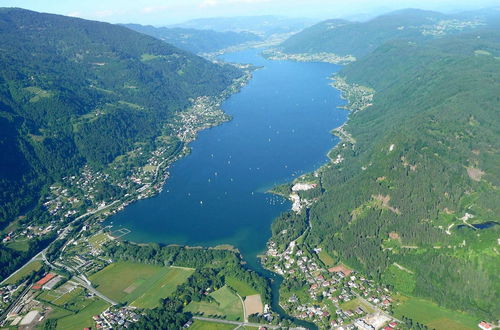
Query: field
[241, 287]
[162, 288]
[204, 325]
[141, 284]
[32, 266]
[66, 294]
[98, 239]
[83, 318]
[22, 245]
[227, 305]
[326, 259]
[253, 304]
[434, 316]
[353, 304]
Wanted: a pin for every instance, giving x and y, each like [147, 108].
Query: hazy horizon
[161, 12]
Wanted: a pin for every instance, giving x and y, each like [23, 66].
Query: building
[485, 325]
[38, 285]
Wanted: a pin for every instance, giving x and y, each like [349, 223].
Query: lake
[217, 194]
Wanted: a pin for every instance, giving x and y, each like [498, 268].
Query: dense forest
[196, 41]
[361, 38]
[75, 92]
[419, 186]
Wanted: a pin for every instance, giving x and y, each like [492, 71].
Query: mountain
[76, 92]
[360, 38]
[193, 40]
[411, 196]
[261, 25]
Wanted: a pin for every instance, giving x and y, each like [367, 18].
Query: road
[378, 310]
[245, 316]
[83, 282]
[257, 325]
[14, 304]
[41, 254]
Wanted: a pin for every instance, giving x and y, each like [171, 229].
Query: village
[336, 297]
[277, 55]
[139, 174]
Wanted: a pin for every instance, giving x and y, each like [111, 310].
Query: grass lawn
[353, 304]
[139, 283]
[434, 316]
[98, 239]
[227, 304]
[83, 319]
[326, 259]
[243, 288]
[163, 287]
[22, 245]
[204, 325]
[26, 270]
[58, 313]
[68, 296]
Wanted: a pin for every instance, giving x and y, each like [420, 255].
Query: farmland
[226, 304]
[142, 284]
[434, 316]
[241, 287]
[163, 287]
[205, 325]
[83, 318]
[33, 266]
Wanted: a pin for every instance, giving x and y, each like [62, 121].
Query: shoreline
[103, 210]
[358, 98]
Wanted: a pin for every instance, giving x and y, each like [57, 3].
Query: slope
[360, 38]
[76, 92]
[419, 184]
[193, 40]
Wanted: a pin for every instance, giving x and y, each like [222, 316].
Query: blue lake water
[216, 195]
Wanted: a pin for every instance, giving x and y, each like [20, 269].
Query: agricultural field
[241, 287]
[434, 316]
[20, 245]
[355, 303]
[227, 305]
[83, 318]
[26, 270]
[326, 259]
[61, 296]
[163, 287]
[204, 325]
[253, 304]
[141, 284]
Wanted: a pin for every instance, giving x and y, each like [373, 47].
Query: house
[393, 324]
[485, 325]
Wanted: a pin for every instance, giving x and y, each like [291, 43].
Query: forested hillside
[75, 92]
[360, 38]
[415, 201]
[193, 40]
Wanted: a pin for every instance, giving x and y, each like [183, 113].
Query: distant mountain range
[261, 25]
[360, 38]
[194, 40]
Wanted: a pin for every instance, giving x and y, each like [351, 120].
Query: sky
[165, 12]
